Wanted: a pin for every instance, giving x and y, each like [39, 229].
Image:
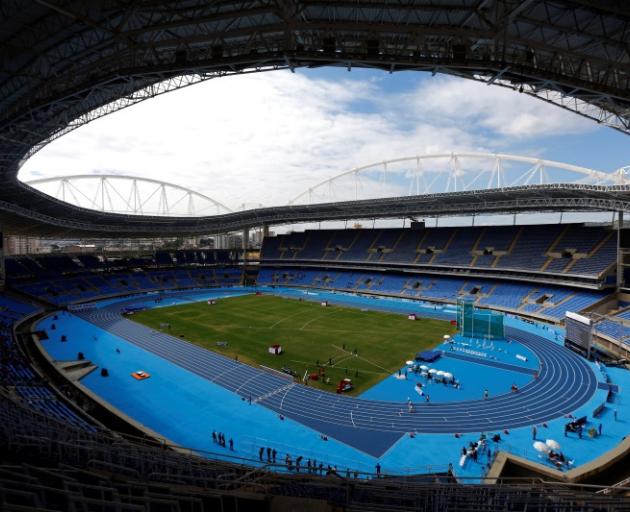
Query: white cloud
[494, 108]
[264, 138]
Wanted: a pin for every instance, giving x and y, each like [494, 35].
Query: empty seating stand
[17, 375]
[98, 283]
[566, 251]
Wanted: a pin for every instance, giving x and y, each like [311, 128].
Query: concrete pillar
[265, 230]
[245, 238]
[619, 253]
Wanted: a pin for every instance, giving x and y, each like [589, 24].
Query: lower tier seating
[48, 465]
[17, 376]
[545, 301]
[64, 290]
[615, 326]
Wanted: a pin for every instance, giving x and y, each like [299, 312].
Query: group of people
[313, 467]
[219, 438]
[579, 428]
[272, 454]
[558, 459]
[475, 449]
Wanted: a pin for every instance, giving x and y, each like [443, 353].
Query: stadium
[420, 364]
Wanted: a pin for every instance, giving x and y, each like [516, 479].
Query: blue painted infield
[474, 378]
[496, 372]
[490, 364]
[184, 406]
[503, 352]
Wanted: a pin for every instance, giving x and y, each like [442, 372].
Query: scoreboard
[579, 333]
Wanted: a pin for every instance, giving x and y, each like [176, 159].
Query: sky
[265, 138]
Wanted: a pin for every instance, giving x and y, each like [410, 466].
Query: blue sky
[264, 138]
[595, 146]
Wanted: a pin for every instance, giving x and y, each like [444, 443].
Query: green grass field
[309, 334]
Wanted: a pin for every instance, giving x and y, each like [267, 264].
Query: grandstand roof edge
[58, 219]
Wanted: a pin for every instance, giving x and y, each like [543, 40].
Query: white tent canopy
[539, 446]
[553, 445]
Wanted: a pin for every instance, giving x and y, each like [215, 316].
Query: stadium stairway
[510, 249]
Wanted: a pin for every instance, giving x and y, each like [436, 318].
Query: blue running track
[565, 383]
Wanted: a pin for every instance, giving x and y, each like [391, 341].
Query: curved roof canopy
[54, 218]
[66, 62]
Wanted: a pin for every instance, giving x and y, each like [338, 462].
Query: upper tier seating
[559, 249]
[90, 261]
[549, 302]
[62, 279]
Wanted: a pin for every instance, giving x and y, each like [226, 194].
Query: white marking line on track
[274, 392]
[285, 395]
[352, 420]
[247, 381]
[235, 367]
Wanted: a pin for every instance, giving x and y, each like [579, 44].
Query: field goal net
[479, 323]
